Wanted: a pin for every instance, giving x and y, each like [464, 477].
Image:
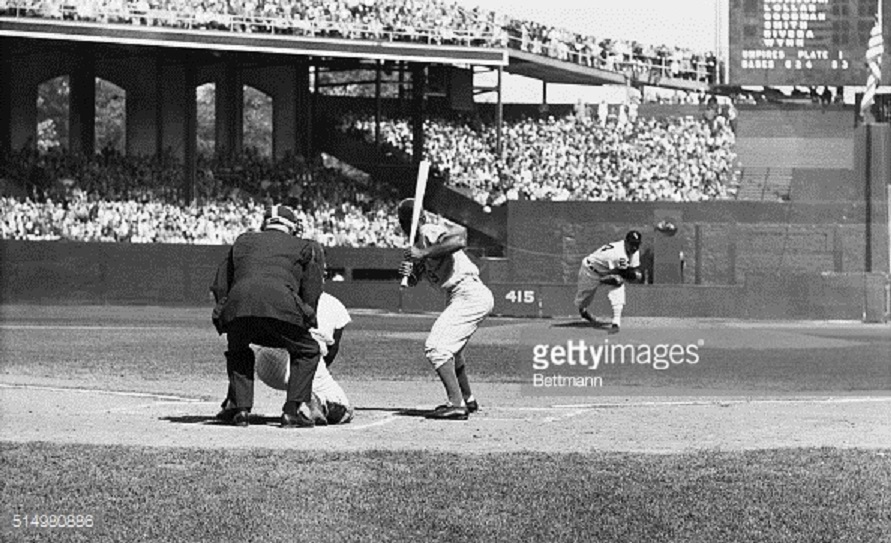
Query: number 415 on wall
[520, 296]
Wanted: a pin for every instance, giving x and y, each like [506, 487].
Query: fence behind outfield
[61, 272]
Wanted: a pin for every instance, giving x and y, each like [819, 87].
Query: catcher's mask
[283, 219]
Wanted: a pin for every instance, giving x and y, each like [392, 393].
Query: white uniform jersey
[610, 257]
[332, 315]
[446, 271]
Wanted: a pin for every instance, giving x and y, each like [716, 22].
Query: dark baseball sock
[463, 381]
[449, 380]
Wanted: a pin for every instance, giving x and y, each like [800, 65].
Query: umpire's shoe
[233, 415]
[300, 416]
[448, 412]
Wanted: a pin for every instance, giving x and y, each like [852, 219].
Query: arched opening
[207, 119]
[257, 122]
[52, 114]
[111, 117]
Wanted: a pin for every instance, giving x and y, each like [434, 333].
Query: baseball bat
[420, 189]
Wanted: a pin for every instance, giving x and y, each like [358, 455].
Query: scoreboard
[804, 42]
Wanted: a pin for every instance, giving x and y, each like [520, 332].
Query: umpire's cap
[283, 218]
[633, 238]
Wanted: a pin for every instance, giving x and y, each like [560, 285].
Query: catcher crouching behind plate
[329, 401]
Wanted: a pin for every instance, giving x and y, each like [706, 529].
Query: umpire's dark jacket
[269, 274]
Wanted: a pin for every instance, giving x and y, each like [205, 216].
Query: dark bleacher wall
[79, 272]
[46, 272]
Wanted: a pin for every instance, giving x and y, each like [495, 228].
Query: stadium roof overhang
[557, 71]
[270, 44]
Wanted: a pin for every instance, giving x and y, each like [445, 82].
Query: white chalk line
[565, 416]
[382, 422]
[166, 398]
[668, 403]
[82, 327]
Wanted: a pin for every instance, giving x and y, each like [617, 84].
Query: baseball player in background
[611, 266]
[438, 256]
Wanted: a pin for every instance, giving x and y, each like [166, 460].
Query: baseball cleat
[303, 418]
[587, 316]
[234, 416]
[451, 412]
[472, 406]
[613, 329]
[241, 418]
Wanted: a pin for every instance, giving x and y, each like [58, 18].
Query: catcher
[611, 265]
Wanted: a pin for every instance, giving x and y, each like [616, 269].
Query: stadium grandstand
[422, 58]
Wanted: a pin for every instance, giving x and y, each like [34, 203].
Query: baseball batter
[610, 266]
[438, 256]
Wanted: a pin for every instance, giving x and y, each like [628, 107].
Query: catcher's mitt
[631, 274]
[613, 280]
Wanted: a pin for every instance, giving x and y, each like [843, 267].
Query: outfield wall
[50, 272]
[715, 244]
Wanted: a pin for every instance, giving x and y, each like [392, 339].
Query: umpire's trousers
[301, 346]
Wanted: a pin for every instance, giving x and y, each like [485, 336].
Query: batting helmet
[405, 209]
[283, 218]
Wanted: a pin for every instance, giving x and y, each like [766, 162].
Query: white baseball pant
[469, 302]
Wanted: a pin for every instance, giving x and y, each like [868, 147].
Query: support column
[873, 150]
[377, 105]
[418, 87]
[143, 106]
[5, 108]
[229, 109]
[305, 112]
[82, 105]
[175, 97]
[190, 130]
[499, 120]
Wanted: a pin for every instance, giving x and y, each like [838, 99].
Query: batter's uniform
[605, 261]
[469, 300]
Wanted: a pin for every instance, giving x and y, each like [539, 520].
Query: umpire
[267, 292]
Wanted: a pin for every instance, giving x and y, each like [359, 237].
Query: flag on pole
[874, 51]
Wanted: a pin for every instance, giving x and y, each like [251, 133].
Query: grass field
[811, 462]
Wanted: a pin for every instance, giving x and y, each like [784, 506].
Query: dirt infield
[72, 398]
[41, 411]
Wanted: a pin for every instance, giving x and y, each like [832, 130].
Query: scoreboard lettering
[802, 42]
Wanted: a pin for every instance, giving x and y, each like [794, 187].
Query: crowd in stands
[640, 62]
[589, 156]
[138, 200]
[426, 21]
